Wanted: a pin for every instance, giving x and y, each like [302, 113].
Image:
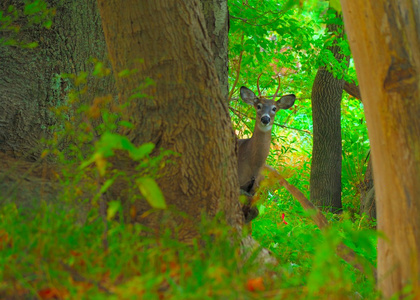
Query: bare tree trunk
[385, 41]
[31, 83]
[216, 15]
[325, 182]
[186, 113]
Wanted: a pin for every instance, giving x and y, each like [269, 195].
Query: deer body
[253, 152]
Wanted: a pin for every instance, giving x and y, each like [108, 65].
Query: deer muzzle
[265, 120]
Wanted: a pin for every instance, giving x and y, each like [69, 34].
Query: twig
[239, 115]
[258, 85]
[80, 278]
[102, 209]
[278, 88]
[353, 90]
[267, 97]
[238, 71]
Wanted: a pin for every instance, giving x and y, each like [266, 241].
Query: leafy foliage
[53, 255]
[36, 13]
[274, 39]
[288, 39]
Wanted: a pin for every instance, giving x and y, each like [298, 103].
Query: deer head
[266, 109]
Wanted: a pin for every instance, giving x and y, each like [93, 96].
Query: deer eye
[259, 106]
[274, 109]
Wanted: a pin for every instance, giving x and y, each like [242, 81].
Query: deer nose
[265, 120]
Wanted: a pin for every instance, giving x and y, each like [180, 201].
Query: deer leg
[249, 210]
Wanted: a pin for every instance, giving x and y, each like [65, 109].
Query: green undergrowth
[52, 254]
[308, 256]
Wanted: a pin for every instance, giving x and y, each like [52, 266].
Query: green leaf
[47, 24]
[127, 72]
[32, 8]
[111, 141]
[127, 145]
[30, 45]
[124, 73]
[106, 185]
[100, 70]
[261, 209]
[113, 207]
[142, 151]
[151, 191]
[126, 124]
[336, 5]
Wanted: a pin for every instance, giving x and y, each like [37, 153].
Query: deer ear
[248, 96]
[286, 101]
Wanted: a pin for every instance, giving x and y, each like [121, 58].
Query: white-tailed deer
[253, 152]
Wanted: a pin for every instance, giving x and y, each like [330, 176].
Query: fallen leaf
[255, 284]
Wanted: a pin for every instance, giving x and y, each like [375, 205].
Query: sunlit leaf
[126, 124]
[106, 185]
[142, 151]
[47, 24]
[100, 162]
[113, 207]
[151, 191]
[255, 284]
[30, 45]
[336, 5]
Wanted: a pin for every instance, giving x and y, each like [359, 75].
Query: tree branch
[238, 71]
[352, 90]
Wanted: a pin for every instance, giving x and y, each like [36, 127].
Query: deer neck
[260, 145]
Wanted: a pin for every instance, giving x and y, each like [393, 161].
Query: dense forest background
[118, 168]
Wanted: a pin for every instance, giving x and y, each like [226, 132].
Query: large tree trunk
[30, 78]
[385, 41]
[325, 182]
[186, 114]
[217, 20]
[31, 84]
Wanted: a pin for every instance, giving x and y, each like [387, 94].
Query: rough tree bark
[30, 81]
[325, 181]
[186, 113]
[216, 15]
[385, 41]
[30, 84]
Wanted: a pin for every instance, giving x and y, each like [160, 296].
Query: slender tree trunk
[366, 188]
[385, 41]
[325, 182]
[216, 15]
[186, 112]
[367, 193]
[31, 81]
